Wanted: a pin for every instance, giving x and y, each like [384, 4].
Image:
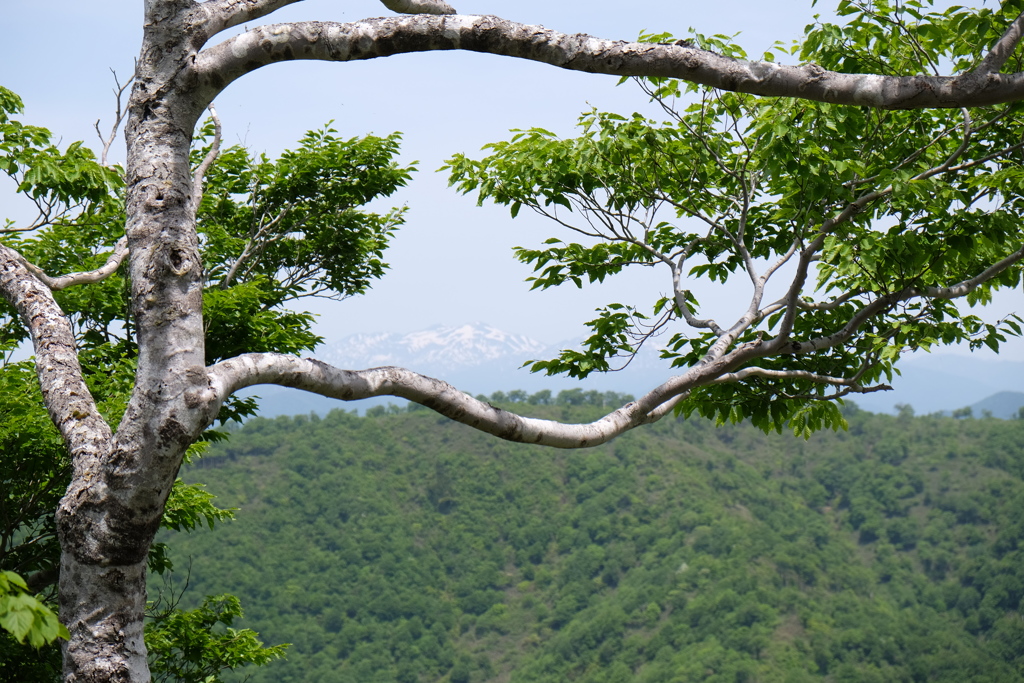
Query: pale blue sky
[452, 262]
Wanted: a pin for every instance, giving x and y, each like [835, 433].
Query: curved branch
[680, 297]
[67, 398]
[215, 16]
[220, 15]
[967, 286]
[237, 373]
[330, 41]
[60, 282]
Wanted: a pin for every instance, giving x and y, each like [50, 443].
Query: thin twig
[211, 156]
[119, 114]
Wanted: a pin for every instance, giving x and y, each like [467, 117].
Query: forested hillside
[403, 547]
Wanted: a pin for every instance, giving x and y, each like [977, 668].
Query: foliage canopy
[863, 233]
[412, 548]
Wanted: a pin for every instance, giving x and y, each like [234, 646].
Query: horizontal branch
[967, 286]
[348, 385]
[746, 373]
[371, 38]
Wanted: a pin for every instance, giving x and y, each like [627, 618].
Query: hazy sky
[452, 262]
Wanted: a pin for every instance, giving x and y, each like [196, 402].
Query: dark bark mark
[106, 532]
[177, 259]
[173, 433]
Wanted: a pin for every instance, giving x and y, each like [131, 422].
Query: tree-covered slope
[404, 547]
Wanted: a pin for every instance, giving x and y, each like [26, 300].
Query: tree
[875, 221]
[124, 460]
[204, 653]
[253, 206]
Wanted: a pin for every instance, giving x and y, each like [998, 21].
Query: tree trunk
[112, 511]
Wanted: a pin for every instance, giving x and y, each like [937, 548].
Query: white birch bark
[347, 385]
[330, 41]
[113, 509]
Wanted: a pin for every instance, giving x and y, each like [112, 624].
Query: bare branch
[211, 156]
[680, 297]
[783, 260]
[119, 114]
[747, 373]
[371, 38]
[347, 385]
[60, 282]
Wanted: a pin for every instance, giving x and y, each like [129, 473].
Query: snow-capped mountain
[438, 349]
[476, 358]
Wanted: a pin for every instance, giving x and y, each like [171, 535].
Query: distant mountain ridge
[438, 348]
[1005, 405]
[479, 358]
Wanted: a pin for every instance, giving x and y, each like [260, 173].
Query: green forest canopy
[401, 547]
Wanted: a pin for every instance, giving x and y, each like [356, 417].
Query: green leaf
[24, 616]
